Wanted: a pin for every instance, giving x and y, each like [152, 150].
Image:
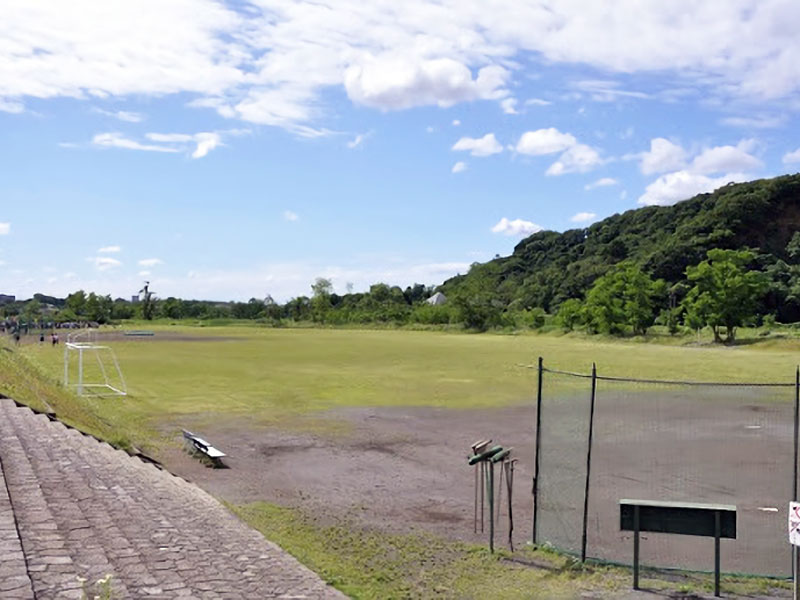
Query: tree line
[722, 292]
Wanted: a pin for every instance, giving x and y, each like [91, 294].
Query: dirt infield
[397, 469]
[405, 469]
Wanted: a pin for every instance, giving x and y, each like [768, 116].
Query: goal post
[90, 368]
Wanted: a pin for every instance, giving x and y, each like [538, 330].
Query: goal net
[91, 368]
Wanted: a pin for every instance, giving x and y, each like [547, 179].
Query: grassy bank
[371, 565]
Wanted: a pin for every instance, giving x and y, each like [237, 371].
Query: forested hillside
[548, 268]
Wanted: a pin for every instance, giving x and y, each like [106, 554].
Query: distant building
[135, 298]
[437, 299]
[7, 299]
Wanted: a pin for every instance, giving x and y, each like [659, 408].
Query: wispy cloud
[583, 217]
[109, 249]
[289, 215]
[150, 262]
[459, 167]
[122, 115]
[357, 141]
[602, 182]
[790, 158]
[104, 263]
[117, 140]
[515, 227]
[5, 228]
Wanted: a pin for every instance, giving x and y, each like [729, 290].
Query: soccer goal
[90, 368]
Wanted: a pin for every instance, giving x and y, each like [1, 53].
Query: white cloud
[544, 141]
[144, 273]
[150, 262]
[122, 115]
[202, 142]
[358, 140]
[395, 82]
[509, 106]
[485, 146]
[515, 227]
[459, 167]
[722, 159]
[755, 122]
[456, 122]
[104, 263]
[5, 228]
[583, 217]
[11, 106]
[580, 158]
[728, 163]
[537, 102]
[206, 142]
[663, 156]
[290, 216]
[681, 185]
[602, 182]
[272, 61]
[109, 249]
[117, 140]
[788, 159]
[607, 91]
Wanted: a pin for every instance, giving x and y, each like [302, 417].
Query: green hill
[549, 267]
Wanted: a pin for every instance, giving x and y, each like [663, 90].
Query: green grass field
[275, 376]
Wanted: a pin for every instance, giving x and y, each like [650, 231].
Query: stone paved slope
[72, 507]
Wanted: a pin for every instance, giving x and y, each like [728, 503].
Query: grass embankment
[24, 381]
[374, 565]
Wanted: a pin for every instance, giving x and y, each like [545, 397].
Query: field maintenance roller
[485, 457]
[480, 477]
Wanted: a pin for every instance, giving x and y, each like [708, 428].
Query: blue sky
[228, 150]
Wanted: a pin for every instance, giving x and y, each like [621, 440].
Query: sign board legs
[717, 533]
[636, 547]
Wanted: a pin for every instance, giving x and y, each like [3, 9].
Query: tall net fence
[715, 443]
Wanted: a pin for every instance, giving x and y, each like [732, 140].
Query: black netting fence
[716, 443]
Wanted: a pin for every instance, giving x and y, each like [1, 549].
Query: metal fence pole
[538, 448]
[588, 464]
[794, 466]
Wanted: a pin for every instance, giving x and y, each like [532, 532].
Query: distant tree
[122, 310]
[625, 297]
[475, 302]
[725, 292]
[321, 298]
[569, 314]
[298, 309]
[31, 311]
[417, 293]
[171, 308]
[76, 302]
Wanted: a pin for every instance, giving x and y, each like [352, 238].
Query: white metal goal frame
[85, 342]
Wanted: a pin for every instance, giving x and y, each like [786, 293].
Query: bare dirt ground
[397, 469]
[405, 469]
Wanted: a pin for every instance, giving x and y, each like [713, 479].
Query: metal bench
[200, 445]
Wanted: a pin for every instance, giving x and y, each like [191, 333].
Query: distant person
[41, 338]
[54, 338]
[16, 337]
